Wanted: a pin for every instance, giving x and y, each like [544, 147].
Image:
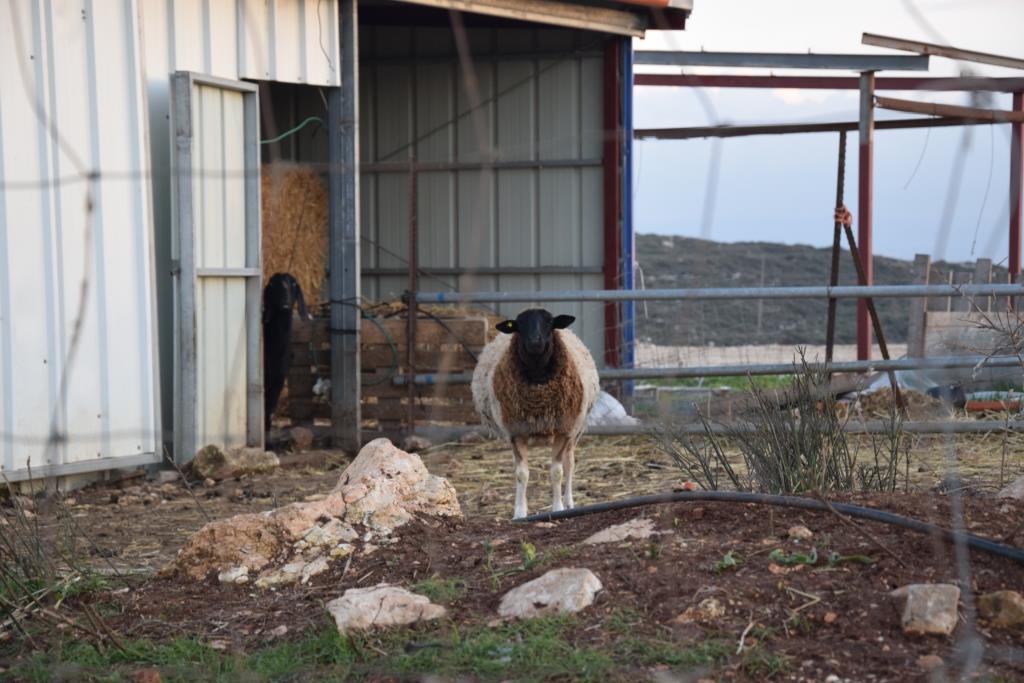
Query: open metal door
[218, 385]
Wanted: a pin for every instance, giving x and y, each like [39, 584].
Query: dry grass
[295, 226]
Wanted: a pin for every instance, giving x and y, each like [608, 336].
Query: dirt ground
[795, 623]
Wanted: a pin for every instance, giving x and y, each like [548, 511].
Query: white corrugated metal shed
[84, 205]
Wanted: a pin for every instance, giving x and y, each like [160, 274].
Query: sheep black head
[283, 293]
[534, 329]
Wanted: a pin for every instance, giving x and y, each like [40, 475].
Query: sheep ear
[563, 321]
[506, 326]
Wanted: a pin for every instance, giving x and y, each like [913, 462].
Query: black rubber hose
[974, 542]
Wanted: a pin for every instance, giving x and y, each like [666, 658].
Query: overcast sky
[782, 188]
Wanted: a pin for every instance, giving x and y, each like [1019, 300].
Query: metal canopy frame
[186, 273]
[867, 83]
[783, 60]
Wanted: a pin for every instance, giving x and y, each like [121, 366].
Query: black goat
[281, 294]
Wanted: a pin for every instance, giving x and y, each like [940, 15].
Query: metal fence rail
[711, 293]
[936, 363]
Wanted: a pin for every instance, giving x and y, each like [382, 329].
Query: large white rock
[214, 463]
[560, 591]
[382, 489]
[381, 605]
[634, 528]
[928, 608]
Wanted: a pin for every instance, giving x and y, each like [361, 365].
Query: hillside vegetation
[670, 262]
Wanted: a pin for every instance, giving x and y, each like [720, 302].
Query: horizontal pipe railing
[937, 363]
[703, 294]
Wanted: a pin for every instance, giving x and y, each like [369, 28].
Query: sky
[782, 188]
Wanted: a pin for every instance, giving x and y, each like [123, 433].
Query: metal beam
[343, 201]
[694, 132]
[782, 60]
[491, 270]
[718, 293]
[923, 48]
[865, 207]
[1016, 188]
[429, 166]
[589, 18]
[695, 372]
[612, 196]
[935, 109]
[929, 83]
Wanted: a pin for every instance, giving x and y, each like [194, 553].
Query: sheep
[537, 381]
[280, 295]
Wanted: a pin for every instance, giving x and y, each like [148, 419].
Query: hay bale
[295, 226]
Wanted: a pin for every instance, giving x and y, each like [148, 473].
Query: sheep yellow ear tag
[506, 326]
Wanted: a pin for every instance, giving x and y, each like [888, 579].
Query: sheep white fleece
[487, 403]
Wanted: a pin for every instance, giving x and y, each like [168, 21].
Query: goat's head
[534, 329]
[283, 293]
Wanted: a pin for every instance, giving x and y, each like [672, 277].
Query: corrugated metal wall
[76, 327]
[540, 205]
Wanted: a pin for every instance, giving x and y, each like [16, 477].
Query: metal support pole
[412, 305]
[1016, 189]
[864, 206]
[343, 198]
[833, 280]
[612, 181]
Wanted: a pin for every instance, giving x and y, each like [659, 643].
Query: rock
[302, 438]
[928, 608]
[167, 477]
[289, 573]
[209, 483]
[149, 675]
[707, 611]
[128, 500]
[381, 605]
[239, 574]
[929, 662]
[382, 489]
[24, 503]
[278, 632]
[559, 591]
[317, 566]
[211, 462]
[634, 528]
[472, 437]
[414, 443]
[326, 535]
[800, 533]
[1002, 609]
[1014, 489]
[343, 550]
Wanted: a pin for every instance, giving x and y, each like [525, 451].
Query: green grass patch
[736, 383]
[441, 590]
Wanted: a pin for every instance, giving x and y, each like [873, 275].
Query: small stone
[317, 566]
[290, 573]
[149, 675]
[302, 438]
[929, 662]
[327, 534]
[928, 608]
[635, 528]
[708, 610]
[800, 533]
[381, 605]
[238, 575]
[1014, 489]
[215, 463]
[369, 549]
[559, 591]
[128, 500]
[415, 443]
[209, 483]
[472, 437]
[1002, 609]
[167, 477]
[70, 502]
[24, 503]
[343, 550]
[831, 617]
[278, 632]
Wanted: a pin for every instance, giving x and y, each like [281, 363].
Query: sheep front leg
[568, 464]
[522, 469]
[556, 474]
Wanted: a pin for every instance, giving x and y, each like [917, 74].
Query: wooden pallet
[442, 346]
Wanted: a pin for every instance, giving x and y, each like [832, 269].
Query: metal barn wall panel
[77, 332]
[539, 107]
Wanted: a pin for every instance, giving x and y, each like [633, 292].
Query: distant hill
[670, 262]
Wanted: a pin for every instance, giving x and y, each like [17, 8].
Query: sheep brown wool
[539, 410]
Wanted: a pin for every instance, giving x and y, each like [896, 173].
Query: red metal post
[864, 206]
[1016, 188]
[612, 167]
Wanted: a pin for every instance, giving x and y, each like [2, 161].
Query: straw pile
[295, 226]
